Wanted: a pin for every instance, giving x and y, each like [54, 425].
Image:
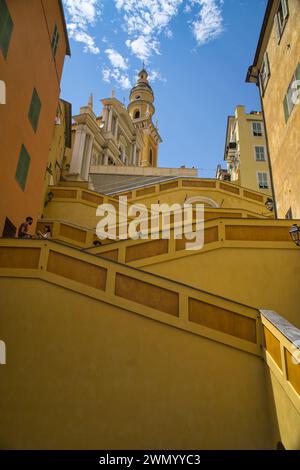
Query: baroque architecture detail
[119, 136]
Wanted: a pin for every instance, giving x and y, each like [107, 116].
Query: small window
[263, 180]
[289, 214]
[292, 95]
[9, 230]
[6, 27]
[55, 39]
[113, 125]
[265, 74]
[281, 18]
[260, 154]
[150, 157]
[137, 97]
[137, 114]
[23, 167]
[34, 110]
[257, 129]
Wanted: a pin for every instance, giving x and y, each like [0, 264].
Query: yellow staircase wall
[101, 355]
[81, 373]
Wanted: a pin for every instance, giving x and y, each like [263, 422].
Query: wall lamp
[269, 204]
[50, 196]
[295, 234]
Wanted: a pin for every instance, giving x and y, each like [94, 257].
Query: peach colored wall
[29, 64]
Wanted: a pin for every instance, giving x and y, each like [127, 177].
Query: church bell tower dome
[141, 110]
[141, 98]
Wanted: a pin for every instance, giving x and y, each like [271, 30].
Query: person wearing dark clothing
[23, 229]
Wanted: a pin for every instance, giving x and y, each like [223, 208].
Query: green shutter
[286, 109]
[53, 37]
[297, 73]
[23, 167]
[267, 64]
[277, 29]
[34, 110]
[285, 9]
[6, 27]
[54, 41]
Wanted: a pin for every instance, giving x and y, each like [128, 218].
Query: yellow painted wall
[57, 152]
[283, 137]
[83, 213]
[83, 374]
[225, 199]
[283, 387]
[249, 167]
[261, 277]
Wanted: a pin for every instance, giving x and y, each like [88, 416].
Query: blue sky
[196, 51]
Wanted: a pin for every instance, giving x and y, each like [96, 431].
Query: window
[113, 125]
[9, 230]
[257, 129]
[292, 94]
[289, 214]
[34, 110]
[55, 38]
[137, 114]
[264, 73]
[150, 157]
[6, 27]
[22, 167]
[281, 18]
[137, 97]
[263, 180]
[260, 154]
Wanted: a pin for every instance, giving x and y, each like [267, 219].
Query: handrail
[282, 353]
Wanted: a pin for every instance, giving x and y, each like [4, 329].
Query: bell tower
[141, 110]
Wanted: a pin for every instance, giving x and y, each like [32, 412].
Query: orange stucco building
[33, 46]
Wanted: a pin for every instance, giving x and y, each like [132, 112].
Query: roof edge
[68, 49]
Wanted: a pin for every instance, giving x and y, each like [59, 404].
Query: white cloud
[209, 22]
[119, 77]
[106, 75]
[155, 75]
[81, 14]
[144, 21]
[116, 59]
[143, 47]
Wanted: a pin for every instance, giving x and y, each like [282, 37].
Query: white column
[78, 150]
[105, 118]
[109, 119]
[116, 129]
[105, 158]
[87, 158]
[134, 154]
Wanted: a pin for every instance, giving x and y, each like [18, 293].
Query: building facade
[33, 43]
[60, 148]
[246, 152]
[276, 69]
[119, 136]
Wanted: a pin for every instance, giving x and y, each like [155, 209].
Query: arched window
[150, 157]
[137, 114]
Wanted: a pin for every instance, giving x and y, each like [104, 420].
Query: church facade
[120, 136]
